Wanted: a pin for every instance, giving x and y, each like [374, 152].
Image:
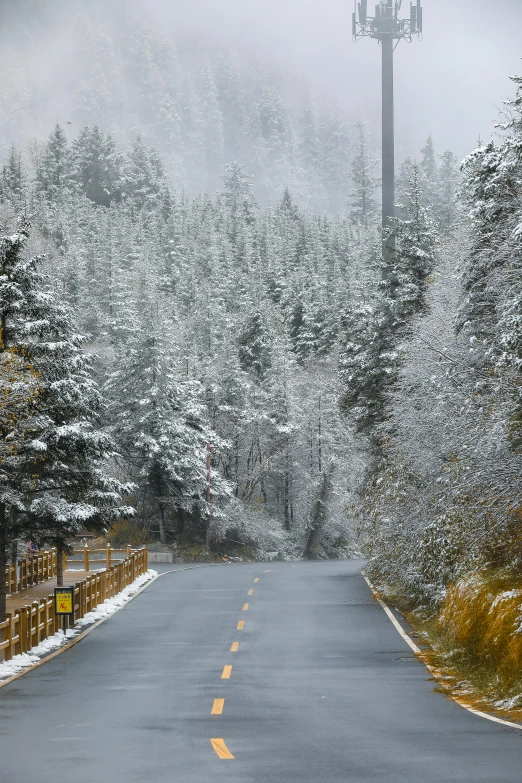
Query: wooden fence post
[86, 558]
[24, 628]
[79, 585]
[47, 616]
[8, 636]
[56, 620]
[35, 637]
[108, 556]
[84, 597]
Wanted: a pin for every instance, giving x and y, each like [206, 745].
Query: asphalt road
[322, 688]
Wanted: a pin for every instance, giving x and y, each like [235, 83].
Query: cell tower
[388, 29]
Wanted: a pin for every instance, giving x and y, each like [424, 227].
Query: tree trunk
[287, 494]
[3, 585]
[163, 532]
[59, 566]
[208, 541]
[236, 463]
[261, 473]
[319, 440]
[318, 516]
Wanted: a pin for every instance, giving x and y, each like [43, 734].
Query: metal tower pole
[387, 27]
[388, 133]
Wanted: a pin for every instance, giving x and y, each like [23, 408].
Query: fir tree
[96, 166]
[445, 208]
[53, 172]
[12, 178]
[429, 170]
[364, 204]
[55, 483]
[161, 424]
[369, 359]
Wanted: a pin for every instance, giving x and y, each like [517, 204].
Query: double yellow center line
[218, 745]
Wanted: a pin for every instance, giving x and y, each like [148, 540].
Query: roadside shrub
[126, 532]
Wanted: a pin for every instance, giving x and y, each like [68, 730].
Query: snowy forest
[192, 266]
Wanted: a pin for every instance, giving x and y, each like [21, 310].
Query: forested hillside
[214, 320]
[201, 106]
[445, 500]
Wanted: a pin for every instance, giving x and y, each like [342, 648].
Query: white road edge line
[416, 649]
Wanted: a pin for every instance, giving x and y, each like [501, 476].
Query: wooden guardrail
[89, 556]
[29, 571]
[35, 569]
[30, 625]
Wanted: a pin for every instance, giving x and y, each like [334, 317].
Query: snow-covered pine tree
[369, 357]
[490, 311]
[12, 178]
[310, 186]
[233, 103]
[96, 166]
[364, 203]
[210, 126]
[53, 169]
[158, 418]
[445, 208]
[335, 158]
[429, 170]
[239, 199]
[414, 256]
[56, 482]
[143, 177]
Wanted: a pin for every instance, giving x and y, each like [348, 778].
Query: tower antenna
[387, 28]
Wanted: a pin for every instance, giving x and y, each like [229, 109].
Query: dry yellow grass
[476, 642]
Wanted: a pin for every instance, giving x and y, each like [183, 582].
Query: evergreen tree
[53, 172]
[95, 166]
[143, 178]
[445, 206]
[490, 310]
[163, 431]
[428, 162]
[55, 482]
[239, 198]
[364, 204]
[210, 121]
[369, 360]
[414, 256]
[335, 158]
[429, 170]
[233, 103]
[254, 344]
[12, 178]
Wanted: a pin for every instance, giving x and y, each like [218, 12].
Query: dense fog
[447, 86]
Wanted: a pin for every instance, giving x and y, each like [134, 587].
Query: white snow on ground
[108, 607]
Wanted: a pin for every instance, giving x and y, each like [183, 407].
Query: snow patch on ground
[104, 610]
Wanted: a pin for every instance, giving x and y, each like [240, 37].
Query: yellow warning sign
[63, 602]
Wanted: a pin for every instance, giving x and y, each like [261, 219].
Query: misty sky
[449, 84]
